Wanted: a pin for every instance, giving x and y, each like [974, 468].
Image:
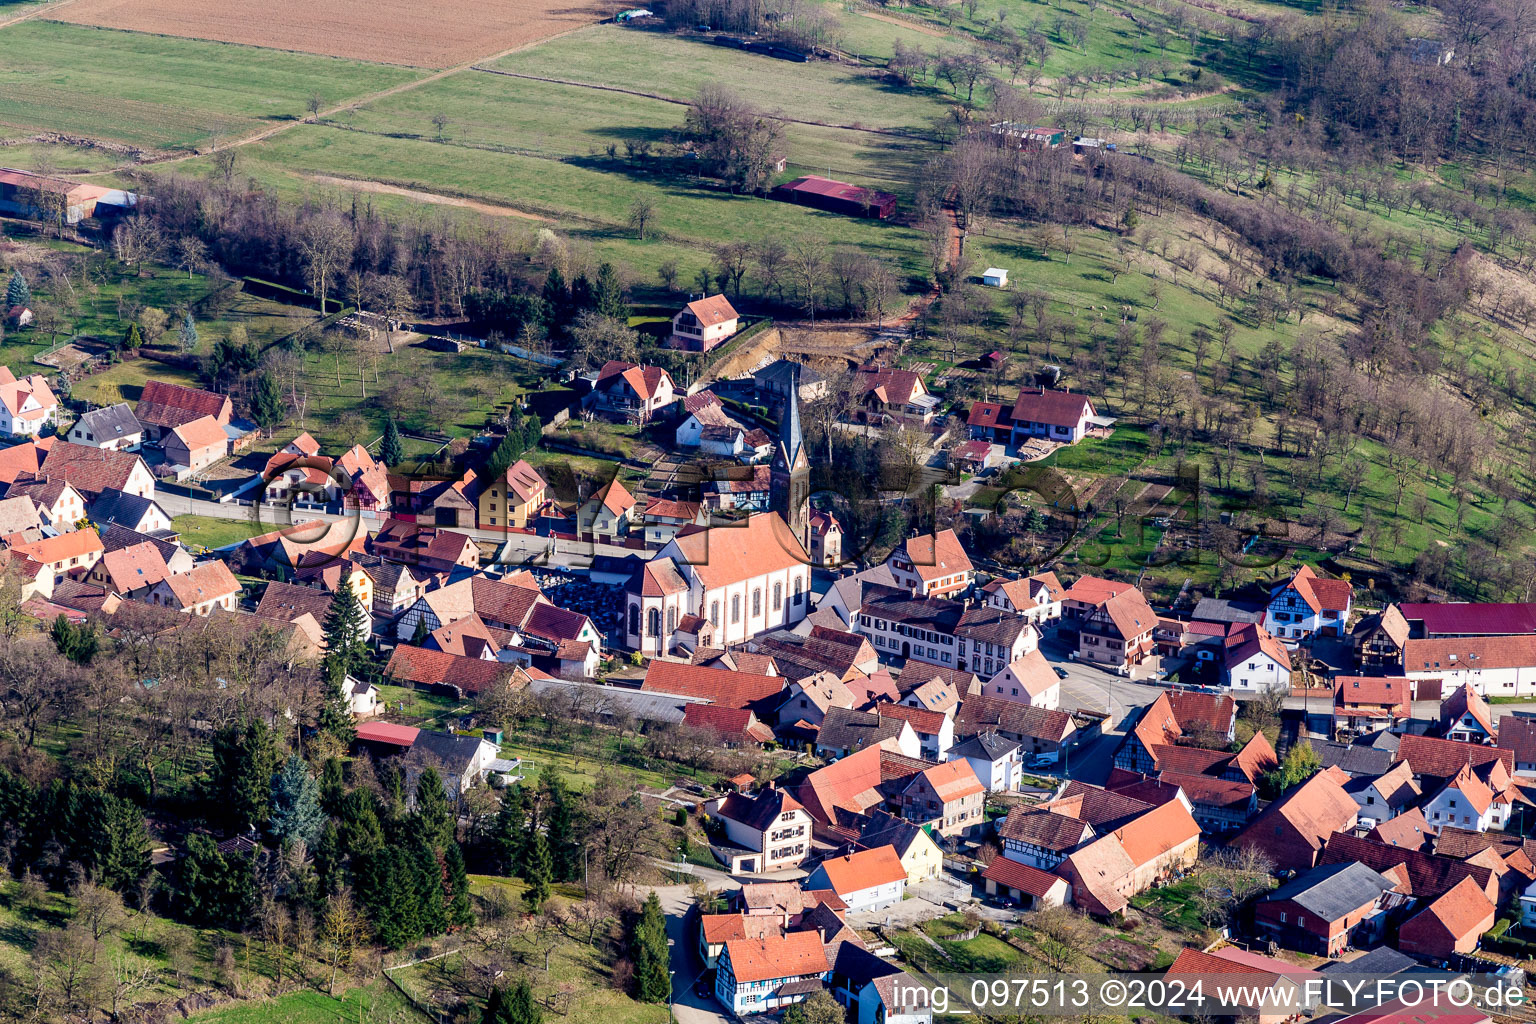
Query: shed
[996, 277]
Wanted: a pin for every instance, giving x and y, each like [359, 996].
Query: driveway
[1096, 689]
[688, 1007]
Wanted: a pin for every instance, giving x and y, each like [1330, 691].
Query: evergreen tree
[133, 338]
[391, 451]
[521, 1007]
[346, 640]
[333, 786]
[17, 293]
[240, 785]
[328, 861]
[420, 633]
[558, 818]
[536, 872]
[296, 811]
[608, 294]
[582, 298]
[653, 977]
[186, 334]
[358, 826]
[557, 302]
[495, 1011]
[123, 858]
[431, 905]
[509, 834]
[460, 914]
[533, 432]
[387, 886]
[217, 890]
[267, 402]
[434, 818]
[77, 643]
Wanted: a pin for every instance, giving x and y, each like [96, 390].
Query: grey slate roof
[646, 705]
[115, 537]
[1217, 609]
[115, 506]
[781, 371]
[853, 731]
[1353, 758]
[885, 829]
[110, 423]
[1333, 890]
[988, 746]
[1381, 961]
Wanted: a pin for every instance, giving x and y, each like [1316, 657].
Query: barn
[837, 197]
[37, 197]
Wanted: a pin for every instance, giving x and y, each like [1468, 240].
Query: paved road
[688, 1007]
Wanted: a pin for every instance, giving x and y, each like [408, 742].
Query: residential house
[997, 761]
[94, 470]
[1308, 605]
[631, 393]
[708, 426]
[873, 990]
[1086, 594]
[439, 500]
[113, 426]
[511, 498]
[1422, 875]
[748, 488]
[1117, 632]
[1378, 640]
[60, 505]
[393, 586]
[1256, 662]
[1262, 990]
[207, 587]
[865, 880]
[1029, 679]
[935, 730]
[704, 323]
[1465, 716]
[947, 797]
[164, 406]
[989, 640]
[885, 395]
[1037, 597]
[848, 656]
[1442, 620]
[1384, 797]
[460, 761]
[196, 444]
[1325, 909]
[729, 727]
[1495, 666]
[27, 406]
[1453, 924]
[607, 515]
[770, 973]
[931, 565]
[60, 554]
[1291, 831]
[920, 856]
[1435, 760]
[990, 422]
[722, 687]
[770, 831]
[1363, 704]
[745, 579]
[439, 671]
[919, 628]
[826, 537]
[129, 571]
[844, 732]
[1146, 851]
[1038, 730]
[1173, 717]
[114, 537]
[425, 547]
[1054, 415]
[808, 700]
[1517, 734]
[1477, 799]
[142, 515]
[1043, 835]
[663, 517]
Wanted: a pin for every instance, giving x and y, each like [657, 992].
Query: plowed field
[434, 35]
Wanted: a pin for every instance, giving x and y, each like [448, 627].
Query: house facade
[113, 427]
[1308, 605]
[703, 324]
[27, 406]
[1054, 415]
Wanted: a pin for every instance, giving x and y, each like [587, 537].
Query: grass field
[159, 92]
[377, 1003]
[215, 533]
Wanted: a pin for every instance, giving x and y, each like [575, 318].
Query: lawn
[215, 533]
[160, 92]
[124, 382]
[407, 702]
[378, 1003]
[1172, 904]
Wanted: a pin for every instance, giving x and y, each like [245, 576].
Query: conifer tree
[391, 451]
[346, 639]
[558, 818]
[521, 1007]
[608, 294]
[460, 915]
[240, 784]
[495, 1011]
[653, 976]
[536, 872]
[17, 293]
[267, 402]
[509, 835]
[434, 818]
[133, 338]
[186, 334]
[296, 811]
[427, 872]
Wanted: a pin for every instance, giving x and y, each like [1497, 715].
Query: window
[671, 619]
[714, 613]
[653, 622]
[799, 586]
[735, 608]
[634, 618]
[757, 602]
[778, 596]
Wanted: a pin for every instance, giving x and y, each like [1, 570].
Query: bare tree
[641, 212]
[326, 247]
[808, 264]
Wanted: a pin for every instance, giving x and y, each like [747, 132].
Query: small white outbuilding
[995, 277]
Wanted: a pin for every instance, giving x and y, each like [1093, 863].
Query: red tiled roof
[419, 665]
[1466, 619]
[90, 470]
[1462, 911]
[1314, 810]
[986, 414]
[724, 555]
[203, 432]
[1249, 639]
[770, 957]
[719, 686]
[1022, 877]
[207, 582]
[1428, 876]
[863, 869]
[981, 714]
[716, 309]
[892, 386]
[1466, 701]
[1442, 759]
[922, 720]
[388, 732]
[179, 396]
[953, 780]
[1384, 691]
[1057, 408]
[1467, 653]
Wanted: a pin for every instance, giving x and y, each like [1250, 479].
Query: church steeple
[790, 474]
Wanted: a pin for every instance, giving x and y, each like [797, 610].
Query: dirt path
[903, 23]
[35, 12]
[435, 198]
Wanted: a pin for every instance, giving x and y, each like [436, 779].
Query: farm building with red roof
[837, 197]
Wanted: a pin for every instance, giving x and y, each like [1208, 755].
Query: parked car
[1045, 760]
[1061, 673]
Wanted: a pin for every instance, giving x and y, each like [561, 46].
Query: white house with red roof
[1255, 661]
[1027, 679]
[770, 831]
[1037, 597]
[761, 975]
[864, 880]
[931, 564]
[608, 514]
[703, 324]
[630, 392]
[26, 405]
[1062, 416]
[1308, 605]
